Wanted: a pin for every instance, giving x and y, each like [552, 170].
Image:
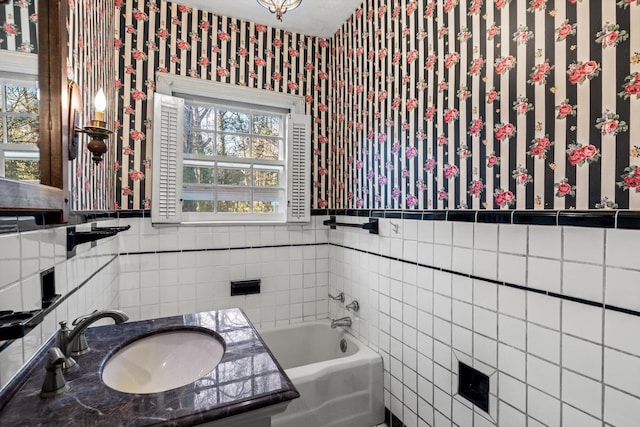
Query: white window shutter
[298, 188]
[168, 135]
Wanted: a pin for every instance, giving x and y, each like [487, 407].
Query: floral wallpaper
[19, 29]
[449, 104]
[159, 36]
[91, 64]
[456, 104]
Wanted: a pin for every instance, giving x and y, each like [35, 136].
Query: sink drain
[343, 345]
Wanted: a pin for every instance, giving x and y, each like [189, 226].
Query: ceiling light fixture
[279, 7]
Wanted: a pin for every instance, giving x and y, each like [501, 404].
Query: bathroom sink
[163, 361]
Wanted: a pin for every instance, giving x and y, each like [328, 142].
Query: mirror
[19, 91]
[48, 197]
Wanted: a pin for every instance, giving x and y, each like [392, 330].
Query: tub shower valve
[353, 306]
[339, 297]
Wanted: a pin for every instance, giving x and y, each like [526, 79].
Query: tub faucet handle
[353, 306]
[339, 297]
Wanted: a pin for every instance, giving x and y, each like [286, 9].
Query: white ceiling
[313, 17]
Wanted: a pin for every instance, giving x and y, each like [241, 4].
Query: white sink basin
[163, 361]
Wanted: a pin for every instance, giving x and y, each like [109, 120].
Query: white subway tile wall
[24, 256]
[551, 361]
[180, 270]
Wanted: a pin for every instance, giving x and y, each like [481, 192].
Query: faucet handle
[54, 382]
[353, 306]
[339, 297]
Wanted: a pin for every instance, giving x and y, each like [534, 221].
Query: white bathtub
[336, 389]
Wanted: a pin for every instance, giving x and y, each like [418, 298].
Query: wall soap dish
[17, 324]
[75, 238]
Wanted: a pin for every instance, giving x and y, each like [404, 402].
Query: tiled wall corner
[24, 256]
[558, 356]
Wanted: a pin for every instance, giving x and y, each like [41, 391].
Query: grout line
[502, 283]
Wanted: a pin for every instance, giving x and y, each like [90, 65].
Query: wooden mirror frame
[50, 198]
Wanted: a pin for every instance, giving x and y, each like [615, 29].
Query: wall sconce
[97, 129]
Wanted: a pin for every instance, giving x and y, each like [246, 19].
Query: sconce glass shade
[279, 7]
[100, 104]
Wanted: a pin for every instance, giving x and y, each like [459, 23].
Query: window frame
[219, 162]
[8, 76]
[243, 98]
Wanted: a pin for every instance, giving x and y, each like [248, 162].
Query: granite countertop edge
[85, 404]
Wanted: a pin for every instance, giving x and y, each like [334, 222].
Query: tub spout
[343, 321]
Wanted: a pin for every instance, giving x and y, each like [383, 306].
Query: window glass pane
[22, 99]
[22, 130]
[200, 142]
[233, 121]
[198, 175]
[264, 207]
[267, 124]
[266, 178]
[267, 148]
[268, 201]
[197, 206]
[197, 199]
[234, 206]
[234, 176]
[26, 170]
[234, 146]
[199, 117]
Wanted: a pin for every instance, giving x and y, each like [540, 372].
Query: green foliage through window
[234, 160]
[19, 130]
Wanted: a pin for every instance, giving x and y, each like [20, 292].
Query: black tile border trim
[12, 222]
[391, 420]
[501, 283]
[618, 219]
[235, 248]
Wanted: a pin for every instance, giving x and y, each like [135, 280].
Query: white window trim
[169, 84]
[172, 85]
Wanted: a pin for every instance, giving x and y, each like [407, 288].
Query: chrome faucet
[343, 321]
[353, 306]
[74, 343]
[339, 297]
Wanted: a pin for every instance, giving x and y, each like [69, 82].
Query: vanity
[245, 388]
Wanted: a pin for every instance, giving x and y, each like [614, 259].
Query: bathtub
[336, 388]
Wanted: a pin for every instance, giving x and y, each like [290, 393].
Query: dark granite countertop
[247, 378]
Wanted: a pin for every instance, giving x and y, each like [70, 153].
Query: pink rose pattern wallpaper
[457, 104]
[91, 64]
[159, 36]
[19, 26]
[425, 104]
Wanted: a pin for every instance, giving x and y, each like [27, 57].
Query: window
[19, 154]
[234, 156]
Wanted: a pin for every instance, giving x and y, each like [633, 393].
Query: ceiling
[313, 17]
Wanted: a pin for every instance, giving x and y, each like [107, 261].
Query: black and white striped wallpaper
[487, 104]
[159, 36]
[19, 26]
[91, 64]
[418, 104]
